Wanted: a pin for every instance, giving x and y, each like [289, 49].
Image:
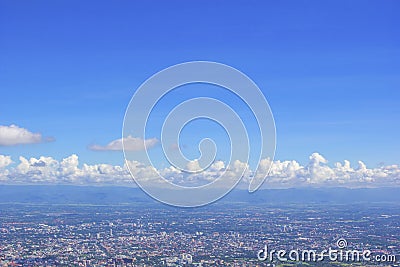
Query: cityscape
[219, 235]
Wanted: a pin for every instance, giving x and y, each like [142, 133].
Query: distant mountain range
[52, 194]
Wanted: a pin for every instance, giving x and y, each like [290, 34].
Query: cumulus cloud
[193, 166]
[282, 174]
[46, 170]
[131, 144]
[318, 173]
[5, 161]
[13, 135]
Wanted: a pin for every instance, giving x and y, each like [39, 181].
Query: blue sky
[329, 69]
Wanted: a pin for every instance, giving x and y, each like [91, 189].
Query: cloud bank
[283, 174]
[13, 135]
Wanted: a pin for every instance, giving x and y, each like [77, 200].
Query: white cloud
[283, 174]
[193, 166]
[318, 173]
[46, 170]
[131, 144]
[5, 161]
[13, 135]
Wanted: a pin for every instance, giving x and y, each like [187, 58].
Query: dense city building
[218, 235]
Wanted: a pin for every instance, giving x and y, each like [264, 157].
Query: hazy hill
[117, 195]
